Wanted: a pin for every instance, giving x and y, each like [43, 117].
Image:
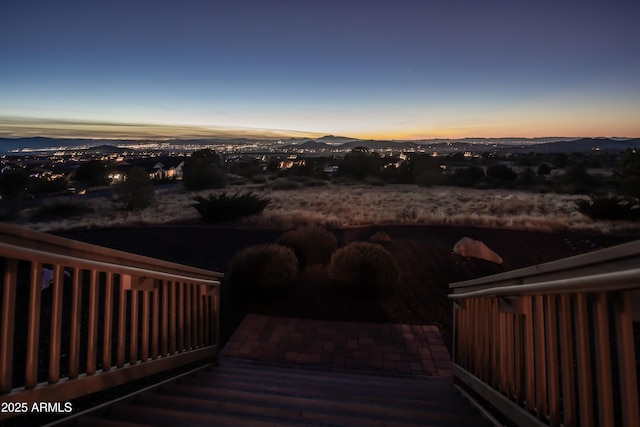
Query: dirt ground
[424, 254]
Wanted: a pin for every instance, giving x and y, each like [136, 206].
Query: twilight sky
[401, 69]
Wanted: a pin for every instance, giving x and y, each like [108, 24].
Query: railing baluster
[566, 351]
[519, 351]
[56, 324]
[477, 339]
[107, 337]
[503, 352]
[92, 340]
[603, 361]
[206, 317]
[122, 324]
[187, 316]
[133, 331]
[527, 310]
[626, 359]
[180, 326]
[164, 336]
[7, 323]
[495, 344]
[144, 345]
[195, 314]
[552, 360]
[509, 318]
[173, 319]
[541, 367]
[585, 385]
[155, 321]
[33, 335]
[216, 318]
[76, 311]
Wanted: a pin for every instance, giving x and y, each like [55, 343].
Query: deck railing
[105, 318]
[554, 344]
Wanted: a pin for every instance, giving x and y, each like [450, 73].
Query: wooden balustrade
[554, 344]
[107, 318]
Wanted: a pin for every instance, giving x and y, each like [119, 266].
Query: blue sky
[376, 69]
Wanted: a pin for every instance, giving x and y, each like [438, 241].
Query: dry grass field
[341, 205]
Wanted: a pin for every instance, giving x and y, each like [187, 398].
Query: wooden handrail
[25, 238]
[617, 281]
[110, 317]
[553, 344]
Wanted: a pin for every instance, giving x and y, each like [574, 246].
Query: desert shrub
[468, 177]
[13, 183]
[92, 173]
[262, 271]
[609, 207]
[527, 178]
[312, 245]
[136, 191]
[222, 207]
[575, 180]
[59, 209]
[363, 269]
[202, 171]
[360, 163]
[501, 172]
[48, 186]
[544, 169]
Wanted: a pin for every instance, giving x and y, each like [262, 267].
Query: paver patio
[379, 347]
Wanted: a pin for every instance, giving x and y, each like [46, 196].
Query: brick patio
[379, 347]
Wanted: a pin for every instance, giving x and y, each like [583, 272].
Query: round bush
[262, 271]
[312, 245]
[363, 269]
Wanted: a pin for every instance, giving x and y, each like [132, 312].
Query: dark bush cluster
[223, 207]
[610, 207]
[363, 269]
[262, 271]
[312, 245]
[60, 209]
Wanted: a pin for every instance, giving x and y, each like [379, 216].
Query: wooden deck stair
[243, 394]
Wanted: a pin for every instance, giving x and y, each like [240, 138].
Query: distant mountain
[335, 143]
[311, 145]
[8, 145]
[588, 144]
[330, 139]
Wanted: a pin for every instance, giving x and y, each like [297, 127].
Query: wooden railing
[105, 318]
[554, 344]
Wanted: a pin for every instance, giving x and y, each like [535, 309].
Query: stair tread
[246, 385]
[355, 403]
[253, 395]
